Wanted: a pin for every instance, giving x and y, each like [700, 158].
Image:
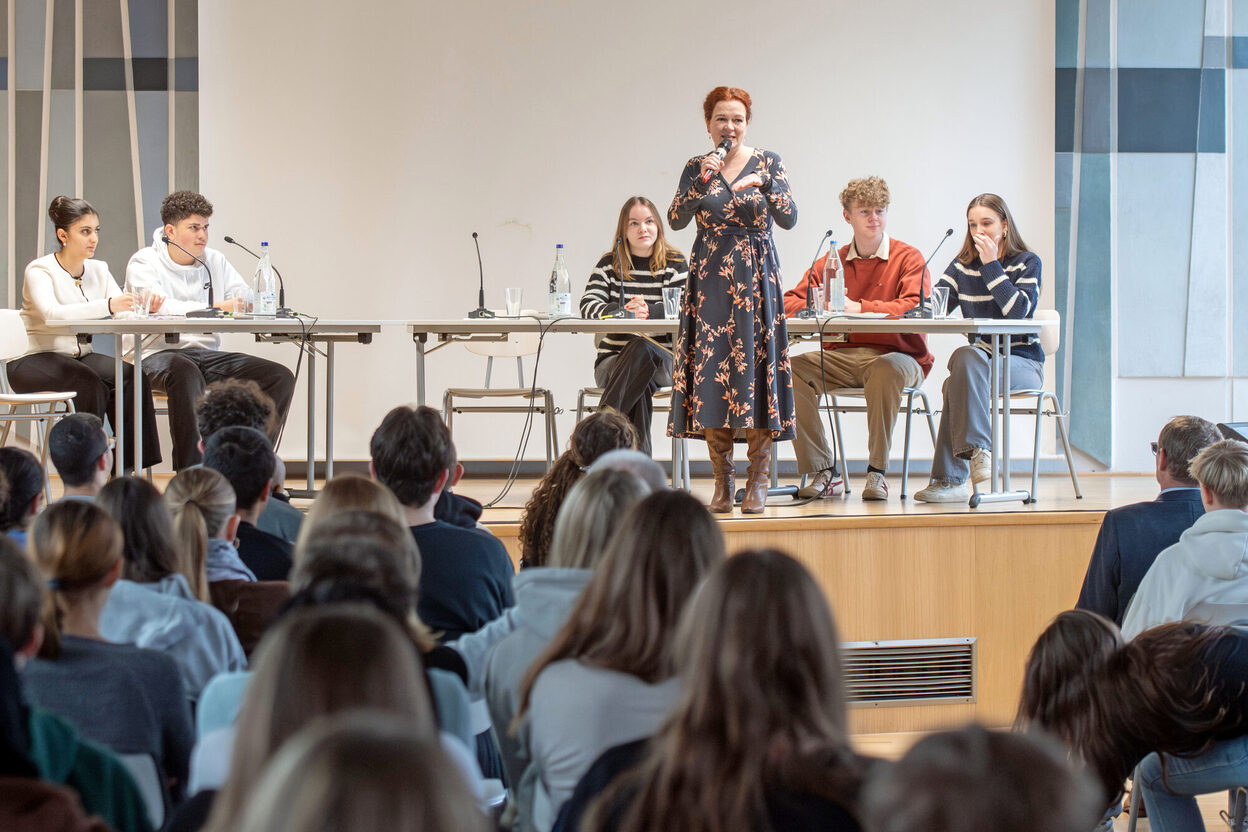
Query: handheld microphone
[921, 311]
[480, 311]
[721, 152]
[810, 311]
[210, 311]
[282, 310]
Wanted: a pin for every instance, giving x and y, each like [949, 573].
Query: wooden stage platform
[900, 571]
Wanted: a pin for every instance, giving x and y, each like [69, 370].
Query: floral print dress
[732, 351]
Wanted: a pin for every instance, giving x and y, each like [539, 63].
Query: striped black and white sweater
[1005, 288]
[604, 294]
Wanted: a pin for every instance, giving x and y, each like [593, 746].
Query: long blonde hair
[660, 255]
[200, 501]
[346, 492]
[762, 704]
[314, 663]
[590, 516]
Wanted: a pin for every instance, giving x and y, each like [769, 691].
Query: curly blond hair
[870, 191]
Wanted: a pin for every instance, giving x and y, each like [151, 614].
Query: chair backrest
[220, 702]
[1050, 336]
[13, 338]
[1218, 614]
[146, 774]
[516, 345]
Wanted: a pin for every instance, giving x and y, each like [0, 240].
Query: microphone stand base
[210, 312]
[481, 312]
[807, 314]
[285, 312]
[918, 313]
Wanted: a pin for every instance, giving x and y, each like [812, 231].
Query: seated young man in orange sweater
[881, 275]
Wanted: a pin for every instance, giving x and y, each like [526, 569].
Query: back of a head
[361, 771]
[410, 450]
[233, 403]
[315, 663]
[75, 444]
[21, 594]
[348, 492]
[591, 515]
[146, 529]
[635, 463]
[245, 457]
[980, 779]
[200, 502]
[363, 548]
[1222, 467]
[1182, 438]
[1061, 667]
[24, 475]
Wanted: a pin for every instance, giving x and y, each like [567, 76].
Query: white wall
[367, 141]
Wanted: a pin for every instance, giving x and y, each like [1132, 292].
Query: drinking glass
[940, 301]
[514, 297]
[671, 302]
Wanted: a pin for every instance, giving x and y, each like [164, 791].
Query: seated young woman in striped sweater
[631, 277]
[994, 276]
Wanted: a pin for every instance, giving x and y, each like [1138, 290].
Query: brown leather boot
[759, 475]
[719, 446]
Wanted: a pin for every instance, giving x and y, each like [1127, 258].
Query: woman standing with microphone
[732, 372]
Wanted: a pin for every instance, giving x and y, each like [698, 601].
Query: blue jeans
[1174, 809]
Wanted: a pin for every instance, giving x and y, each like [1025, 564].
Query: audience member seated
[37, 744]
[1174, 690]
[414, 787]
[82, 454]
[245, 457]
[601, 431]
[240, 403]
[24, 495]
[609, 675]
[457, 509]
[465, 573]
[201, 504]
[316, 662]
[974, 778]
[634, 462]
[1132, 536]
[1209, 564]
[545, 596]
[348, 492]
[124, 697]
[759, 737]
[154, 604]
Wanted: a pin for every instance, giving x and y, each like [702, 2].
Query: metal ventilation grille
[917, 671]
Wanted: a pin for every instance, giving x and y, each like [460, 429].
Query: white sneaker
[825, 483]
[876, 487]
[981, 466]
[940, 491]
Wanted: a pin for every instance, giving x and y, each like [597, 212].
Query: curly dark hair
[234, 403]
[604, 430]
[181, 204]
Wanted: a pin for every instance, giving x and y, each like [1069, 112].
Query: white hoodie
[1209, 565]
[183, 287]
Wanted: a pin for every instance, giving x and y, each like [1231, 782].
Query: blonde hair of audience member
[591, 515]
[603, 430]
[369, 550]
[974, 778]
[762, 702]
[626, 617]
[361, 771]
[313, 663]
[77, 547]
[201, 505]
[147, 534]
[1222, 471]
[344, 493]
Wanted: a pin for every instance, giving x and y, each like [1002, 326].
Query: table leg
[119, 409]
[999, 369]
[420, 338]
[1004, 403]
[311, 420]
[138, 404]
[329, 411]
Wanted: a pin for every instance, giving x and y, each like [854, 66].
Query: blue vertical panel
[1160, 33]
[1239, 17]
[1064, 106]
[1097, 37]
[60, 155]
[1239, 222]
[149, 28]
[31, 18]
[1091, 381]
[1154, 212]
[1206, 349]
[1096, 112]
[1059, 273]
[186, 139]
[107, 173]
[152, 112]
[1067, 33]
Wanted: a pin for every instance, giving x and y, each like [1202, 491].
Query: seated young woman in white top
[67, 285]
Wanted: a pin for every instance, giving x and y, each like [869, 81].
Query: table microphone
[480, 311]
[622, 312]
[810, 311]
[282, 310]
[921, 311]
[210, 311]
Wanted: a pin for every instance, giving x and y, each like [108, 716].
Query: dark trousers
[94, 379]
[184, 374]
[629, 381]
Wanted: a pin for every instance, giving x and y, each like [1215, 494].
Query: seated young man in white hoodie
[184, 369]
[1203, 577]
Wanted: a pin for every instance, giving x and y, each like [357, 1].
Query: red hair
[726, 94]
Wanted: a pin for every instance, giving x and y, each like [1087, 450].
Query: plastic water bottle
[263, 285]
[560, 293]
[834, 282]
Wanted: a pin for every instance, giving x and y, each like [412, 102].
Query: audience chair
[1034, 405]
[909, 406]
[146, 774]
[662, 404]
[13, 344]
[539, 400]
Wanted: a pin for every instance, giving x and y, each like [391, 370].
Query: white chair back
[516, 346]
[1050, 336]
[146, 776]
[13, 338]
